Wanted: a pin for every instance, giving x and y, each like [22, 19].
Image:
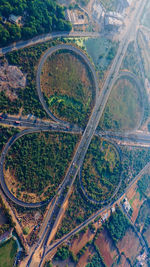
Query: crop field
[130, 245]
[68, 89]
[36, 163]
[124, 107]
[7, 253]
[100, 173]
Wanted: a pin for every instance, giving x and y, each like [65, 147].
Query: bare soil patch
[80, 242]
[83, 261]
[11, 79]
[135, 201]
[130, 245]
[107, 248]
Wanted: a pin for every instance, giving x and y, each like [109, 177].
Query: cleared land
[100, 173]
[107, 248]
[7, 253]
[36, 164]
[130, 245]
[68, 86]
[124, 107]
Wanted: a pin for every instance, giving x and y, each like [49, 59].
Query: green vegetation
[95, 261]
[63, 253]
[12, 107]
[38, 17]
[68, 90]
[7, 253]
[102, 51]
[78, 211]
[27, 98]
[130, 61]
[124, 107]
[144, 186]
[9, 223]
[101, 170]
[117, 225]
[26, 230]
[40, 161]
[5, 134]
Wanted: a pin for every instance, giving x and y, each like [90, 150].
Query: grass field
[101, 170]
[7, 253]
[124, 106]
[36, 164]
[68, 89]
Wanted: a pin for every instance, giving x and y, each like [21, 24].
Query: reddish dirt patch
[80, 242]
[83, 261]
[123, 262]
[130, 245]
[106, 248]
[135, 201]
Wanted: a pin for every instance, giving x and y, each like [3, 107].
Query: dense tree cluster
[38, 17]
[117, 225]
[9, 223]
[101, 169]
[5, 134]
[40, 161]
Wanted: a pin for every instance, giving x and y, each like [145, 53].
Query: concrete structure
[126, 204]
[114, 15]
[97, 11]
[112, 23]
[76, 17]
[15, 19]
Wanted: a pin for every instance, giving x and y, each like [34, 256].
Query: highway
[46, 37]
[85, 59]
[88, 133]
[91, 127]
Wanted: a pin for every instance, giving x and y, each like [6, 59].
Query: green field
[101, 170]
[36, 164]
[7, 253]
[124, 107]
[68, 89]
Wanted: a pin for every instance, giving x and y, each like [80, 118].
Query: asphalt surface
[88, 133]
[48, 53]
[46, 37]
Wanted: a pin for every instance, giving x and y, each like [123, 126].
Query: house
[15, 19]
[126, 204]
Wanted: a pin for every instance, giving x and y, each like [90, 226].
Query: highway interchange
[87, 134]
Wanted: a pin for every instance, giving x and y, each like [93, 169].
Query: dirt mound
[11, 79]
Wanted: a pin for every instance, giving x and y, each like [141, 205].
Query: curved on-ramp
[48, 53]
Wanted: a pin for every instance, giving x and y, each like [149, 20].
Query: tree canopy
[38, 17]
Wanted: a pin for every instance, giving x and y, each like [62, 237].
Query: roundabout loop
[33, 130]
[48, 53]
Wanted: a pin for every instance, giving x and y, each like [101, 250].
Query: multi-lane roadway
[90, 129]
